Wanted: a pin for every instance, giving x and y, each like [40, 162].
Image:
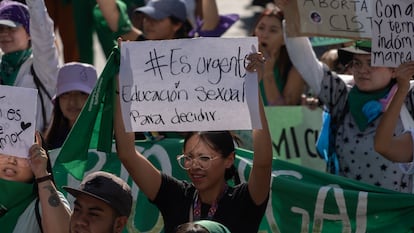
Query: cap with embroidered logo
[76, 76]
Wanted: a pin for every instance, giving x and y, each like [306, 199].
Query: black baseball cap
[108, 188]
[346, 54]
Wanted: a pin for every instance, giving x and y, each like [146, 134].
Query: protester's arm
[304, 59]
[45, 59]
[395, 148]
[302, 55]
[259, 180]
[111, 12]
[144, 174]
[211, 16]
[45, 53]
[55, 215]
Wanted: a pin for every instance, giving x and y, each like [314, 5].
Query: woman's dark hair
[56, 133]
[283, 62]
[184, 30]
[224, 143]
[191, 227]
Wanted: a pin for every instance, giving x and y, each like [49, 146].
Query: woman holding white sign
[29, 200]
[208, 159]
[355, 111]
[397, 148]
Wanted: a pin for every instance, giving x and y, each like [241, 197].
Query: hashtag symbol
[155, 63]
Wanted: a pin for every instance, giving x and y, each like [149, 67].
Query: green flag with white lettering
[301, 199]
[305, 200]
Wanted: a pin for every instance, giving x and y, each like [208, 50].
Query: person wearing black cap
[103, 203]
[355, 110]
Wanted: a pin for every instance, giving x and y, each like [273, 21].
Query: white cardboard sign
[392, 32]
[188, 85]
[17, 120]
[333, 18]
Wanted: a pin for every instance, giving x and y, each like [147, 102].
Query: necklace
[196, 207]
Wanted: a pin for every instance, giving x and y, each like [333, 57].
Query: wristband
[43, 178]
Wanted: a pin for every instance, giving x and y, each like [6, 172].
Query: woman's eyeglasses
[203, 161]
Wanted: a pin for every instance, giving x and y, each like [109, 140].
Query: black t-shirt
[236, 209]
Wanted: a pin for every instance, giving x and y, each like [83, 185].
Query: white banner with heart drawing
[17, 120]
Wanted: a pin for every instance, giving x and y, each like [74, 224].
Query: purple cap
[161, 9]
[108, 188]
[14, 14]
[76, 76]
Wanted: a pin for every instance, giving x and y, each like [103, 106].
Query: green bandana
[365, 107]
[279, 82]
[212, 226]
[15, 197]
[10, 65]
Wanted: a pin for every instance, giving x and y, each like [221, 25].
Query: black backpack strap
[39, 83]
[38, 217]
[40, 87]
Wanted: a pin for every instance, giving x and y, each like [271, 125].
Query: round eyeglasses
[17, 161]
[203, 161]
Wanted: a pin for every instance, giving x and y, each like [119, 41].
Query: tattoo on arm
[54, 199]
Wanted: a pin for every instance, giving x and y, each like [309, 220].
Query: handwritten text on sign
[392, 32]
[187, 84]
[17, 120]
[337, 18]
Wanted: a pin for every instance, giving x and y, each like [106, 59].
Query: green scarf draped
[280, 83]
[10, 65]
[365, 107]
[15, 197]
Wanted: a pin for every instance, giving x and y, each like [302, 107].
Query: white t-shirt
[408, 168]
[27, 221]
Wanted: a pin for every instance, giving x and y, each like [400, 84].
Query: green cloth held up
[94, 124]
[15, 197]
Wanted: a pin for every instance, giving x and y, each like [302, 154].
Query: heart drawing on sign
[25, 125]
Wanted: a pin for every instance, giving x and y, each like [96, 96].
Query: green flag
[301, 199]
[93, 128]
[311, 201]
